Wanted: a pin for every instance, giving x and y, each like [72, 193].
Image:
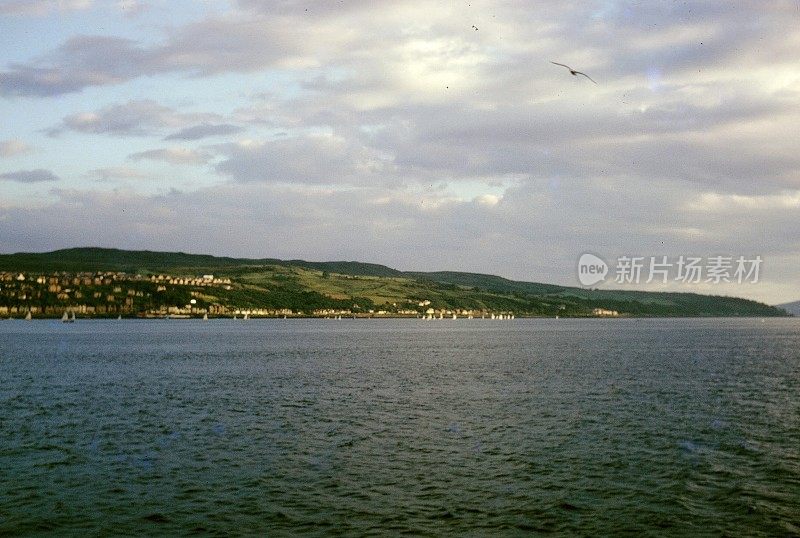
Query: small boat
[28, 316]
[119, 317]
[205, 317]
[65, 317]
[72, 317]
[246, 316]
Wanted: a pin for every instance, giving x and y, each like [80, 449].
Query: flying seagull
[573, 72]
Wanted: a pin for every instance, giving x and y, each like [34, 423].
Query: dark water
[588, 427]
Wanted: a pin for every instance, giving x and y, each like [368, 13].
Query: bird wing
[585, 75]
[562, 65]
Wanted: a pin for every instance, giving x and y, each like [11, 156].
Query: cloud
[40, 8]
[417, 48]
[80, 62]
[133, 8]
[117, 173]
[309, 159]
[204, 48]
[10, 148]
[29, 176]
[174, 156]
[136, 117]
[204, 130]
[520, 234]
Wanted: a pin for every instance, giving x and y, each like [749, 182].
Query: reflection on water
[573, 426]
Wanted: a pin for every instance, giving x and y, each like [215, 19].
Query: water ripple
[679, 427]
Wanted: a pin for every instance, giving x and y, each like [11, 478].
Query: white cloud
[13, 147]
[174, 156]
[119, 173]
[311, 159]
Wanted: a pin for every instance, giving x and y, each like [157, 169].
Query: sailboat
[205, 317]
[246, 316]
[72, 317]
[119, 317]
[65, 317]
[28, 316]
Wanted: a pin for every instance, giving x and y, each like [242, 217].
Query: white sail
[65, 317]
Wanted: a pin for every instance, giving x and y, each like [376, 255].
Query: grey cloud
[40, 8]
[204, 130]
[80, 62]
[137, 117]
[203, 48]
[520, 235]
[29, 176]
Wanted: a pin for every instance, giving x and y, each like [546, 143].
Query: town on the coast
[112, 294]
[92, 282]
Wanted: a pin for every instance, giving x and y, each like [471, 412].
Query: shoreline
[180, 317]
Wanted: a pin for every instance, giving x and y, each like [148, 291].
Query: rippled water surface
[660, 427]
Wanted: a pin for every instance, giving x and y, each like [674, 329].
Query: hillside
[273, 286]
[792, 308]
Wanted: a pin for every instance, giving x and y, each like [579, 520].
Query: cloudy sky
[421, 135]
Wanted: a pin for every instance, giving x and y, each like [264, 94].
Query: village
[117, 294]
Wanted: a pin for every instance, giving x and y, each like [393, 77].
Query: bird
[573, 72]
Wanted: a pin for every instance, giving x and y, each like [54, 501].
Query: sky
[420, 135]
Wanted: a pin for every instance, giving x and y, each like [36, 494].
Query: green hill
[307, 287]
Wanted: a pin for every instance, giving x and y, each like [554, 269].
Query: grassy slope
[300, 285]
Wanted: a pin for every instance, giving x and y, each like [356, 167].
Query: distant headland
[100, 282]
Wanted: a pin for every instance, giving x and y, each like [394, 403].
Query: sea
[376, 427]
